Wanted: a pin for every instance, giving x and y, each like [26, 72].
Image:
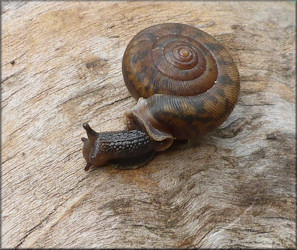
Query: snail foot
[133, 163]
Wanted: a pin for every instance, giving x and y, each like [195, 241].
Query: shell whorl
[166, 59]
[188, 78]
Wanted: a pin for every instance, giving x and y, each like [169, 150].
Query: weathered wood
[61, 66]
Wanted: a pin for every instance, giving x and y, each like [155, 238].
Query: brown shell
[189, 79]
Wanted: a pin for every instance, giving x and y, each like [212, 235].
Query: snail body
[130, 148]
[186, 84]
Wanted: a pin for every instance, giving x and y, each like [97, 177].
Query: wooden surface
[61, 66]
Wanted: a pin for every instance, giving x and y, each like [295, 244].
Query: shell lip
[140, 118]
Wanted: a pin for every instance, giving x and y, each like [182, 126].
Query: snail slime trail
[186, 84]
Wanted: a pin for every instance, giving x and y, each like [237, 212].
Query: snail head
[91, 148]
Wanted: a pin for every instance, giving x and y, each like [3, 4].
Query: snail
[186, 84]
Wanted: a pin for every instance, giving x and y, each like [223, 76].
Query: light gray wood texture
[61, 67]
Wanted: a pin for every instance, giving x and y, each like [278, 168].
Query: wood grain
[61, 66]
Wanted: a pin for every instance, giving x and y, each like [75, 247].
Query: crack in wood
[35, 228]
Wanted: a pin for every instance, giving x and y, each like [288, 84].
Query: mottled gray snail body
[186, 84]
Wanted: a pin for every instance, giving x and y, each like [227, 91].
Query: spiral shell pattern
[188, 79]
[168, 60]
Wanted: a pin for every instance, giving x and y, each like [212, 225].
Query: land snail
[186, 84]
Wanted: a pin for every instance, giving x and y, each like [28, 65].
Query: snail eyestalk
[90, 132]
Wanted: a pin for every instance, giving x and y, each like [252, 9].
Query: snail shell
[185, 81]
[189, 79]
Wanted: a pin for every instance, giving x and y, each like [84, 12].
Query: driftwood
[61, 67]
